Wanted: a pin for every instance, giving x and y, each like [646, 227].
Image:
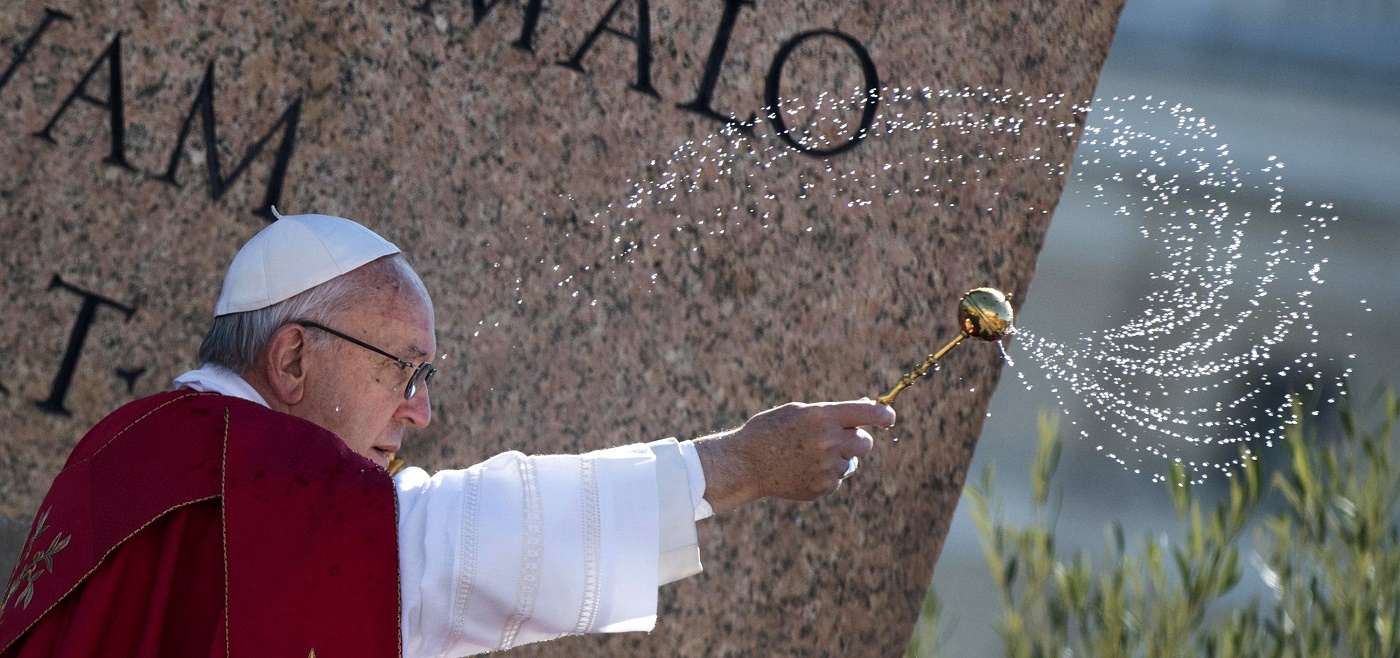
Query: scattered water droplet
[1004, 356]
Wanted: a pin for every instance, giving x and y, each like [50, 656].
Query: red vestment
[194, 524]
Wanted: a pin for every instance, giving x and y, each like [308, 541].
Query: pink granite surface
[568, 320]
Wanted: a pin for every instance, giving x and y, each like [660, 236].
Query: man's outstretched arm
[521, 549]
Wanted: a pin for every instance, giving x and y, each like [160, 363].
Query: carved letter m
[218, 183]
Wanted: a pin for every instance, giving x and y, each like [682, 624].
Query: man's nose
[417, 411]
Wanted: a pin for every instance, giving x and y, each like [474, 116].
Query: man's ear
[285, 361]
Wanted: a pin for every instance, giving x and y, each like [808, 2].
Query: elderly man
[250, 511]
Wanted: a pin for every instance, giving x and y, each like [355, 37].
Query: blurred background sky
[1315, 83]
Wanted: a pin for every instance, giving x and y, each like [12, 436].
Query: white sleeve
[521, 549]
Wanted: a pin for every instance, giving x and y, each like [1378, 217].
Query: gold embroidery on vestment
[39, 563]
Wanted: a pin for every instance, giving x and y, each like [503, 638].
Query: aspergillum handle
[920, 371]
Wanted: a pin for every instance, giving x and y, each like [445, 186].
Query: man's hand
[795, 452]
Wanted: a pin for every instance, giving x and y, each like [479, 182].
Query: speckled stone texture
[498, 149]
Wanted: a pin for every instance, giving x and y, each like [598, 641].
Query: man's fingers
[855, 443]
[801, 451]
[859, 413]
[865, 442]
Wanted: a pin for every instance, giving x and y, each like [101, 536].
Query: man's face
[359, 395]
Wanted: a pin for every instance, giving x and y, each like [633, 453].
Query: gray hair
[235, 341]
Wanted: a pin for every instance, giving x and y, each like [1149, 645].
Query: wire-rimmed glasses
[422, 372]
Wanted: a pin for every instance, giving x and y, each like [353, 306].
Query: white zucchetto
[294, 254]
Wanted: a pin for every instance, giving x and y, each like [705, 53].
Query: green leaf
[1047, 459]
[1179, 487]
[1231, 573]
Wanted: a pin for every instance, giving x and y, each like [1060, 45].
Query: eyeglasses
[422, 372]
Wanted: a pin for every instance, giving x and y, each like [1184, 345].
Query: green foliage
[925, 640]
[1326, 548]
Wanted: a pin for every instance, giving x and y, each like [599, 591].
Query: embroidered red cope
[193, 524]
